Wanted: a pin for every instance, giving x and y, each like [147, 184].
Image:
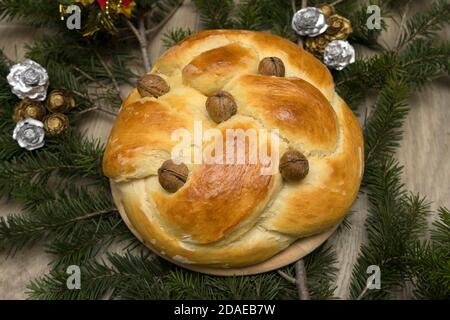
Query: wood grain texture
[425, 154]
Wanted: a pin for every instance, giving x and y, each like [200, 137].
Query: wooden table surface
[425, 154]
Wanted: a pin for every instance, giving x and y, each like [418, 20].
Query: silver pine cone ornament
[29, 134]
[309, 21]
[338, 54]
[28, 79]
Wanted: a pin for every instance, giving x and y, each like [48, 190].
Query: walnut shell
[272, 66]
[152, 85]
[221, 106]
[172, 176]
[293, 166]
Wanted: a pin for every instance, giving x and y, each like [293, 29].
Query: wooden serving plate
[294, 252]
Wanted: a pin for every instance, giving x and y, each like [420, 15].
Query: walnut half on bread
[226, 214]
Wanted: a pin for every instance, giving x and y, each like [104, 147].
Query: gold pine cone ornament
[29, 109]
[56, 124]
[60, 101]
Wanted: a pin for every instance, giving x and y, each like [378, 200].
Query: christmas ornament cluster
[325, 35]
[101, 14]
[39, 113]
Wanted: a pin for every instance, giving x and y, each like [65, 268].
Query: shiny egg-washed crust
[231, 215]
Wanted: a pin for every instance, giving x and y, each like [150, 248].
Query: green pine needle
[66, 214]
[383, 131]
[175, 36]
[426, 24]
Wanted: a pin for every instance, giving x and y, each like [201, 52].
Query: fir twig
[61, 216]
[142, 40]
[215, 14]
[383, 130]
[395, 219]
[426, 24]
[287, 277]
[402, 25]
[300, 280]
[63, 160]
[36, 12]
[108, 71]
[321, 271]
[164, 21]
[175, 36]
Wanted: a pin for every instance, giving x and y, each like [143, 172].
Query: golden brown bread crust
[212, 69]
[292, 105]
[231, 215]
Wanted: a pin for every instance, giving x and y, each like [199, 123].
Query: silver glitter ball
[309, 21]
[339, 54]
[29, 134]
[28, 80]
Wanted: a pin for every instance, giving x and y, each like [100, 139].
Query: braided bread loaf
[227, 215]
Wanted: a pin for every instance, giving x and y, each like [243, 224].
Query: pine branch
[42, 13]
[425, 24]
[430, 272]
[301, 280]
[419, 63]
[108, 71]
[145, 276]
[188, 285]
[175, 36]
[63, 159]
[441, 232]
[249, 16]
[8, 147]
[321, 274]
[430, 261]
[277, 17]
[396, 219]
[161, 14]
[383, 131]
[425, 60]
[77, 64]
[345, 225]
[90, 241]
[430, 266]
[6, 97]
[215, 14]
[353, 82]
[154, 14]
[141, 37]
[66, 215]
[128, 277]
